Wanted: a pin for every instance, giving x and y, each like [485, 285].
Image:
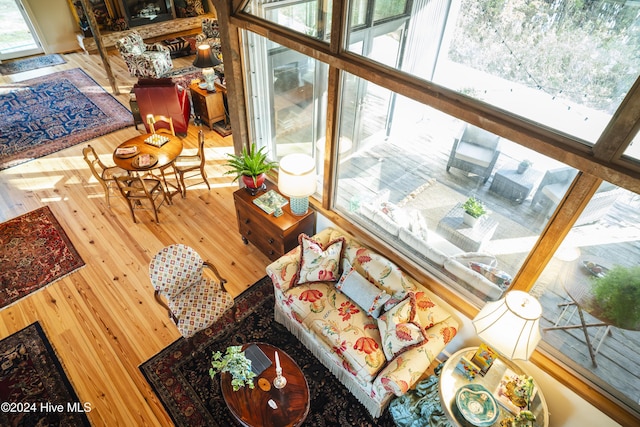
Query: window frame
[602, 161]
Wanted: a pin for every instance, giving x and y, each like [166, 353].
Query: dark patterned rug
[47, 114]
[34, 251]
[34, 389]
[179, 375]
[22, 65]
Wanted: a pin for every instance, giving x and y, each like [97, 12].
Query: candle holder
[279, 381]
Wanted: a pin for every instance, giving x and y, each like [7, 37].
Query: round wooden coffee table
[250, 407]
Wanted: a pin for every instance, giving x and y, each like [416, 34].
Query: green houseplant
[473, 209]
[618, 294]
[234, 362]
[250, 165]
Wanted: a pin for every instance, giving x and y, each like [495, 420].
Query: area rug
[47, 114]
[184, 76]
[34, 251]
[28, 64]
[34, 389]
[179, 373]
[224, 129]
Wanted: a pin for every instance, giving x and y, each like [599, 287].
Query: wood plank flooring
[103, 320]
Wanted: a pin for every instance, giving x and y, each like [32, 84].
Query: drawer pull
[271, 241]
[248, 232]
[247, 221]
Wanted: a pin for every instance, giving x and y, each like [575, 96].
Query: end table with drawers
[274, 236]
[207, 106]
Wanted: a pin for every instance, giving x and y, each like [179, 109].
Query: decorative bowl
[202, 85]
[477, 405]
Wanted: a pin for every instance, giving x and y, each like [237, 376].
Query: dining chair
[104, 174]
[191, 166]
[159, 124]
[192, 300]
[136, 190]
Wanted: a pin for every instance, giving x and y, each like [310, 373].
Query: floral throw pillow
[365, 294]
[493, 274]
[318, 263]
[400, 329]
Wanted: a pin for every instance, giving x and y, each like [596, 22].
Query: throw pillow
[400, 329]
[493, 274]
[365, 294]
[318, 263]
[428, 311]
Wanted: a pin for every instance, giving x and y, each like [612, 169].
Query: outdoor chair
[144, 60]
[106, 175]
[475, 151]
[192, 300]
[142, 194]
[210, 35]
[552, 188]
[191, 166]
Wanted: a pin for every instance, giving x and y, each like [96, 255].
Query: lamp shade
[297, 175]
[205, 58]
[511, 326]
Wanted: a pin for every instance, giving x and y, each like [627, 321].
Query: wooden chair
[136, 190]
[160, 124]
[190, 166]
[106, 175]
[193, 301]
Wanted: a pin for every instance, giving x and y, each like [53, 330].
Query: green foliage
[250, 163]
[618, 294]
[474, 207]
[234, 362]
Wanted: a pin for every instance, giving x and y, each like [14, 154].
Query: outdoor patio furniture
[475, 151]
[467, 238]
[552, 188]
[510, 184]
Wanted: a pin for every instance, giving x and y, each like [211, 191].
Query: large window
[551, 75]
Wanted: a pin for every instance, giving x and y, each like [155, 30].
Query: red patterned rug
[34, 251]
[34, 389]
[47, 114]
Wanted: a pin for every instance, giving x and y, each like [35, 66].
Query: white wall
[566, 408]
[54, 24]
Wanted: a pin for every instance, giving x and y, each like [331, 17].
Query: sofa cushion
[495, 275]
[319, 263]
[400, 328]
[345, 329]
[365, 294]
[429, 311]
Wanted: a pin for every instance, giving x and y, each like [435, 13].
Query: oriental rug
[34, 251]
[47, 114]
[34, 389]
[179, 374]
[28, 64]
[184, 76]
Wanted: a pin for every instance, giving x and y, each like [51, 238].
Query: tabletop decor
[297, 180]
[69, 107]
[515, 392]
[477, 405]
[234, 362]
[34, 252]
[473, 209]
[250, 166]
[270, 201]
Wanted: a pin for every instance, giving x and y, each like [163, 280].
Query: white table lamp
[206, 60]
[511, 326]
[297, 180]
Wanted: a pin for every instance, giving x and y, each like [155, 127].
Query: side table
[250, 406]
[510, 184]
[451, 380]
[207, 106]
[466, 237]
[273, 236]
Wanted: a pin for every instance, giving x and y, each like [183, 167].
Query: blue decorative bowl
[477, 405]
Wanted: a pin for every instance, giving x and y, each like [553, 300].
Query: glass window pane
[288, 98]
[305, 16]
[388, 8]
[633, 150]
[573, 63]
[603, 245]
[405, 170]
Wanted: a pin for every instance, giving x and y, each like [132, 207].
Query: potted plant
[234, 362]
[473, 209]
[251, 166]
[617, 293]
[524, 165]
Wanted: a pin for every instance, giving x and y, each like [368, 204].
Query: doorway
[17, 35]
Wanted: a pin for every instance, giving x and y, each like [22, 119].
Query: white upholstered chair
[476, 151]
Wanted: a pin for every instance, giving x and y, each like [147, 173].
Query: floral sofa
[373, 326]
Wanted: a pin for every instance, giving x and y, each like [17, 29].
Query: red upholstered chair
[163, 97]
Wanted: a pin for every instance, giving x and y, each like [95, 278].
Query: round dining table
[165, 155]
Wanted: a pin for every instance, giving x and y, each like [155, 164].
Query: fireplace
[141, 12]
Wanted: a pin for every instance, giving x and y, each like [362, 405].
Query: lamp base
[299, 205]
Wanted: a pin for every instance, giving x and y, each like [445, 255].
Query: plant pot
[469, 220]
[254, 187]
[522, 168]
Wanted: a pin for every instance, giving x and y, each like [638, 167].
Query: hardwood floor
[103, 320]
